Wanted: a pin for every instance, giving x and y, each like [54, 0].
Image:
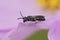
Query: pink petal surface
[8, 14]
[54, 33]
[24, 30]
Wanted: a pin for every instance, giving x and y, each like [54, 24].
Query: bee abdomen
[40, 18]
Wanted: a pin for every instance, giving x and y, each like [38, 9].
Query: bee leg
[19, 18]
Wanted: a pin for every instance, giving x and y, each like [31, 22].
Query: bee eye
[25, 19]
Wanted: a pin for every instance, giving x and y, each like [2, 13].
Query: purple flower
[10, 31]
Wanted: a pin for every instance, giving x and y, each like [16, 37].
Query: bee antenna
[21, 14]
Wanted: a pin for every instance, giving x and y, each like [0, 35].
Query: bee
[32, 18]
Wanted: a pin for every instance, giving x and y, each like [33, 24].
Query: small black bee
[32, 18]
